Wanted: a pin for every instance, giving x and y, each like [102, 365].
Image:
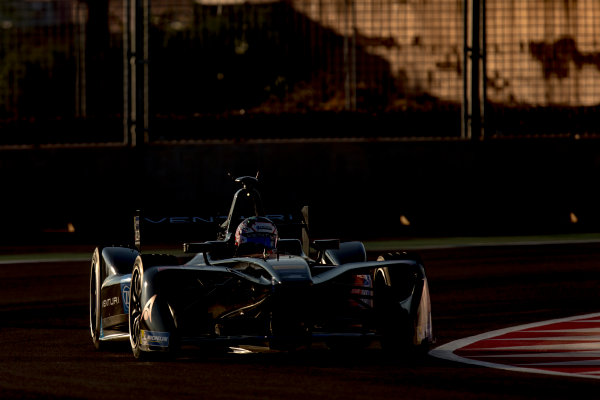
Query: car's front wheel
[135, 311]
[94, 303]
[136, 308]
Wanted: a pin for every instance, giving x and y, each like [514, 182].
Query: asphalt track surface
[47, 353]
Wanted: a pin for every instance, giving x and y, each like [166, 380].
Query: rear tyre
[392, 323]
[395, 325]
[96, 272]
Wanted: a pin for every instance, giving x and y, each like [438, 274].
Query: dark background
[359, 112]
[355, 189]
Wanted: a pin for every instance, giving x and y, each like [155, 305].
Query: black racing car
[275, 291]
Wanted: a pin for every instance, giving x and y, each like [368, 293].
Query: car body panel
[115, 307]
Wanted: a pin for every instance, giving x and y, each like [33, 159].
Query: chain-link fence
[229, 69]
[60, 74]
[543, 67]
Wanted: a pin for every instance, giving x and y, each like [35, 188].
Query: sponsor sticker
[125, 296]
[151, 338]
[112, 301]
[136, 228]
[147, 311]
[362, 295]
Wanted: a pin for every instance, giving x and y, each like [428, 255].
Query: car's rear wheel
[395, 324]
[95, 285]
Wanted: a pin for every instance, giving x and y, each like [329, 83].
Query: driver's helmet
[258, 232]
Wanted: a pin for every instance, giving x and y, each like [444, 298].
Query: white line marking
[44, 260]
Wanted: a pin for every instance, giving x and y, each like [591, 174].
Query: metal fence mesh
[543, 67]
[330, 66]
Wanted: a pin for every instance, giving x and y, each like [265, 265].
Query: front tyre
[136, 308]
[96, 277]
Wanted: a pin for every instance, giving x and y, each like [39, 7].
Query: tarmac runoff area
[477, 241]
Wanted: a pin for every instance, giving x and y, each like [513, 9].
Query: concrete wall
[362, 188]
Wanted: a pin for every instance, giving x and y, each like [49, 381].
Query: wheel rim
[135, 310]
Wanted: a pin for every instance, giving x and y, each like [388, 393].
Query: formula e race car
[252, 286]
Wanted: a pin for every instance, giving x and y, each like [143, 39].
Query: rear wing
[172, 230]
[176, 230]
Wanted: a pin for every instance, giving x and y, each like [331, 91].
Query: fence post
[350, 55]
[135, 72]
[473, 69]
[127, 112]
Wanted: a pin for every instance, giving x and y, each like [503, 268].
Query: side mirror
[326, 244]
[205, 248]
